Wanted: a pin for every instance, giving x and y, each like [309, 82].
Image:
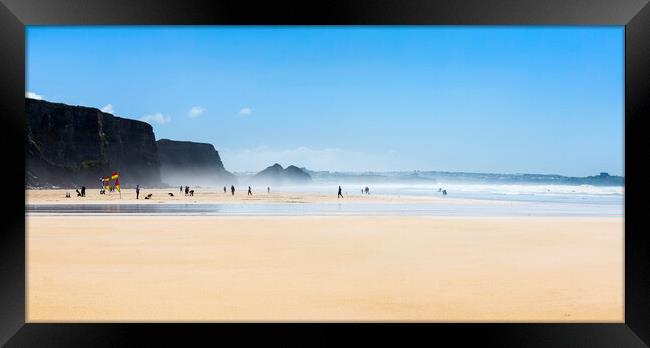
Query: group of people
[81, 193]
[188, 192]
[102, 191]
[232, 189]
[364, 190]
[186, 189]
[250, 190]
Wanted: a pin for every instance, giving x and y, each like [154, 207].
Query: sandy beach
[159, 195]
[397, 173]
[176, 268]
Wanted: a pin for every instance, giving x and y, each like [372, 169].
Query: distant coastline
[602, 179]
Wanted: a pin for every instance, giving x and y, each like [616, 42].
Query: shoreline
[161, 196]
[215, 203]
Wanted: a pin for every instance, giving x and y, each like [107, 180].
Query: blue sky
[478, 99]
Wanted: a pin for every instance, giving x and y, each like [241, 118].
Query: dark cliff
[74, 145]
[275, 174]
[190, 163]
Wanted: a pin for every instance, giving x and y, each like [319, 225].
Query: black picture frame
[633, 14]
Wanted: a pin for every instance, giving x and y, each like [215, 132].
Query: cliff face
[190, 163]
[74, 145]
[275, 174]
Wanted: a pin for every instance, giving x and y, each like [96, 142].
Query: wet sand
[178, 268]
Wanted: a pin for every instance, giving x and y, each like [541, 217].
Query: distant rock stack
[276, 175]
[69, 146]
[190, 163]
[293, 173]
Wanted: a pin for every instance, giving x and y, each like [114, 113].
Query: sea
[482, 195]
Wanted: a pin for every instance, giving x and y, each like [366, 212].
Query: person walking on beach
[268, 189]
[83, 191]
[224, 189]
[181, 191]
[187, 190]
[340, 194]
[137, 191]
[250, 193]
[232, 189]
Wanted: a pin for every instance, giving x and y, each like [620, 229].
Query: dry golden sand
[127, 268]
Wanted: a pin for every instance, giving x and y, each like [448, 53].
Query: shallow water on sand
[335, 209]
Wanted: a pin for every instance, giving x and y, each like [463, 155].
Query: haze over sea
[518, 187]
[391, 193]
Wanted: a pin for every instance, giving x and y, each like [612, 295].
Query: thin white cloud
[246, 111]
[108, 109]
[157, 118]
[195, 111]
[33, 95]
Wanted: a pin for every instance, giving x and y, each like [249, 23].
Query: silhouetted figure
[361, 191]
[250, 193]
[170, 194]
[268, 189]
[83, 191]
[444, 192]
[187, 190]
[78, 193]
[232, 189]
[340, 194]
[191, 192]
[137, 191]
[67, 195]
[367, 190]
[224, 189]
[181, 191]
